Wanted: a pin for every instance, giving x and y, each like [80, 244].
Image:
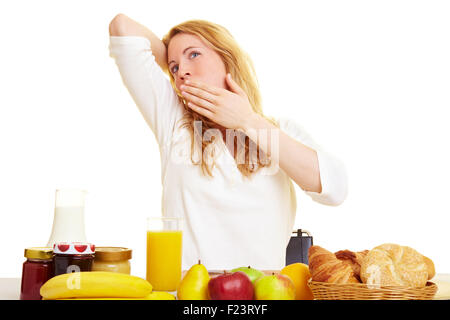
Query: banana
[95, 284]
[160, 295]
[155, 295]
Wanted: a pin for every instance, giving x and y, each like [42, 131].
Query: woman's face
[190, 58]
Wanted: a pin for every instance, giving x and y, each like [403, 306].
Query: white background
[369, 80]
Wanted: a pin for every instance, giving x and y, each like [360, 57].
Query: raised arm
[122, 25]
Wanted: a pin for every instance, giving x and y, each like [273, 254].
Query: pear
[194, 285]
[252, 273]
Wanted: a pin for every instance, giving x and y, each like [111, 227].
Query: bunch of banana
[98, 285]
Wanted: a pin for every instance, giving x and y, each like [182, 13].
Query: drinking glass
[164, 252]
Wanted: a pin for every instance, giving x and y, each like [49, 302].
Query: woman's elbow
[338, 197]
[334, 188]
[334, 199]
[117, 25]
[337, 193]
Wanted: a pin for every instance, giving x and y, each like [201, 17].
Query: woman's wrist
[255, 122]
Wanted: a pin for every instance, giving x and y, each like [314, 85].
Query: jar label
[73, 248]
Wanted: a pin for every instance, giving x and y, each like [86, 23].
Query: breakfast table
[10, 287]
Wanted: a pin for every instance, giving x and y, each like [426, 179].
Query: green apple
[253, 274]
[274, 287]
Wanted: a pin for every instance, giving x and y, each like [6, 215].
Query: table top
[10, 287]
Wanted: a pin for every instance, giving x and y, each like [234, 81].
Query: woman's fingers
[198, 101]
[211, 89]
[200, 110]
[199, 93]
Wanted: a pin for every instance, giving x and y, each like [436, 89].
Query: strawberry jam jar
[37, 269]
[73, 257]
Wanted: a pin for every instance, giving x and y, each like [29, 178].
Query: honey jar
[112, 259]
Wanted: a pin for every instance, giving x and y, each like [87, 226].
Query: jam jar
[71, 257]
[37, 269]
[112, 259]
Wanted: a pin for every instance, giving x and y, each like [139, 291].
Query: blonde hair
[240, 66]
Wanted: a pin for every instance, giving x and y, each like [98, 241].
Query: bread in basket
[388, 271]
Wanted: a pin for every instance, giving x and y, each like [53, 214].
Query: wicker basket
[361, 291]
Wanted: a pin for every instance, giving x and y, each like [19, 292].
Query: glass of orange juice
[164, 252]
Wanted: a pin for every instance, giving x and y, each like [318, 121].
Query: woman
[220, 155]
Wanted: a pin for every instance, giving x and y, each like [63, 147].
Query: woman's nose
[185, 76]
[184, 72]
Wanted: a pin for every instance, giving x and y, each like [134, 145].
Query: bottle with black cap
[298, 246]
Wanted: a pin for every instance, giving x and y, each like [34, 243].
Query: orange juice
[164, 259]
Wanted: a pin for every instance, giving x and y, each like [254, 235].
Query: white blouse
[229, 220]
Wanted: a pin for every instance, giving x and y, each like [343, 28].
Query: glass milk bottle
[68, 221]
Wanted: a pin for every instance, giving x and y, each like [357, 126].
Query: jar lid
[112, 253]
[73, 248]
[40, 253]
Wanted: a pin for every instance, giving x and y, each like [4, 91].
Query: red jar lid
[73, 248]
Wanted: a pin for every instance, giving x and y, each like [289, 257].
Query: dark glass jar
[73, 257]
[35, 272]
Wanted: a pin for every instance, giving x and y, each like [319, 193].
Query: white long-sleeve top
[229, 220]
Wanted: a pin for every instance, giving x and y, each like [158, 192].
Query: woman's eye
[192, 53]
[175, 68]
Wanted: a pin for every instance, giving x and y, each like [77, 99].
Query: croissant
[325, 267]
[353, 259]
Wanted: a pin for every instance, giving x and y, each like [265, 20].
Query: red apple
[231, 286]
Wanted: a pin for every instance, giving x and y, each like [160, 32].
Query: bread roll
[430, 267]
[395, 265]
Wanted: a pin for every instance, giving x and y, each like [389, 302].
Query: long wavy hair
[240, 66]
